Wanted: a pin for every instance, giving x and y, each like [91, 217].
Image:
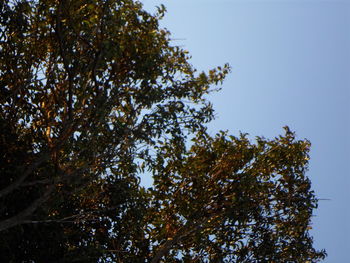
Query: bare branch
[73, 219]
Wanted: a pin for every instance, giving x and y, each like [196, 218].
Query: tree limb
[43, 158]
[20, 217]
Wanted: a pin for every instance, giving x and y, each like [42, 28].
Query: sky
[290, 66]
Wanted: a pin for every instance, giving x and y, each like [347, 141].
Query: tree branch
[20, 217]
[44, 157]
[65, 61]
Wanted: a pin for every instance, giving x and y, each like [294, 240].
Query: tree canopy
[94, 95]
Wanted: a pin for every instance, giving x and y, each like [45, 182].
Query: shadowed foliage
[93, 96]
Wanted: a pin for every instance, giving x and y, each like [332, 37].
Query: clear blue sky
[291, 66]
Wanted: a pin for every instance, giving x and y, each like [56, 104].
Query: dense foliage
[93, 95]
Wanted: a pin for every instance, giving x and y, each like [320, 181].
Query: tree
[93, 94]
